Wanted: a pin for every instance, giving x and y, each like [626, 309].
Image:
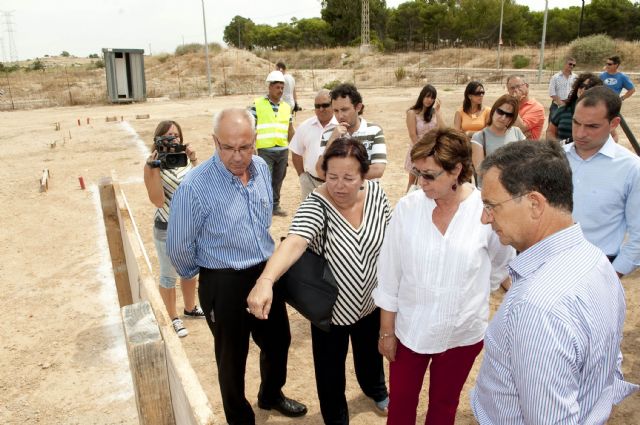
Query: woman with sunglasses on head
[436, 268]
[422, 117]
[561, 122]
[499, 130]
[472, 116]
[161, 184]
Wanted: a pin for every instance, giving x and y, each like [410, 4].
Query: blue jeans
[168, 274]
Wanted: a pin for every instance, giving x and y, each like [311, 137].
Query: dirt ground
[62, 355]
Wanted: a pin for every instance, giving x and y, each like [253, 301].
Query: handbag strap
[325, 219]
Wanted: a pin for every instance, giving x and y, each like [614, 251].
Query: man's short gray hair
[244, 113]
[323, 92]
[521, 76]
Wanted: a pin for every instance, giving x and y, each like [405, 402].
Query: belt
[315, 178]
[159, 224]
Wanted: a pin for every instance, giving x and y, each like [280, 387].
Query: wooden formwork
[136, 284]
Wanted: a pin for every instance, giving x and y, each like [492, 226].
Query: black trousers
[277, 162]
[329, 356]
[223, 296]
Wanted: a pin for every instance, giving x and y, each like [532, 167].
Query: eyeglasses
[504, 113]
[478, 93]
[427, 176]
[242, 150]
[488, 208]
[571, 64]
[322, 105]
[610, 63]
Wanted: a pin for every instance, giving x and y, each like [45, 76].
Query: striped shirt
[351, 253]
[217, 222]
[371, 137]
[552, 351]
[171, 179]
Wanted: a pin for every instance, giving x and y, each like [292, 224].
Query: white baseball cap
[275, 77]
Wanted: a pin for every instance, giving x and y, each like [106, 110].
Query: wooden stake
[44, 180]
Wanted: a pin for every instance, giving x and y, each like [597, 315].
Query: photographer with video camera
[169, 162]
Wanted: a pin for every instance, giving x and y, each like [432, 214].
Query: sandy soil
[62, 355]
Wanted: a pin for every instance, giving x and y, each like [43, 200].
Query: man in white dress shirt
[305, 144]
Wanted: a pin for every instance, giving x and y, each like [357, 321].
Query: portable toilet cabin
[125, 75]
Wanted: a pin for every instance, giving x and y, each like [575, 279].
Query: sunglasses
[504, 113]
[322, 105]
[478, 93]
[427, 176]
[571, 64]
[610, 64]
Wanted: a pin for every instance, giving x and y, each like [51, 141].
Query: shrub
[97, 64]
[331, 84]
[162, 57]
[214, 48]
[400, 73]
[94, 56]
[189, 48]
[65, 54]
[520, 61]
[36, 65]
[592, 50]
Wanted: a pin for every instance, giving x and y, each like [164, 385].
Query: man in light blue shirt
[552, 350]
[219, 227]
[606, 180]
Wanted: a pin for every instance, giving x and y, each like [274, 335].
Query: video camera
[170, 153]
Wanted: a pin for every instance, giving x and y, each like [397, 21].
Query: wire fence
[80, 86]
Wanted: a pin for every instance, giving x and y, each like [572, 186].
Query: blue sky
[82, 27]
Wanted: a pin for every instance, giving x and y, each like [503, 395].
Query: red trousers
[447, 375]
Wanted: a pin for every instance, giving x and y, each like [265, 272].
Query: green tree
[314, 32]
[344, 17]
[65, 54]
[239, 32]
[616, 18]
[405, 24]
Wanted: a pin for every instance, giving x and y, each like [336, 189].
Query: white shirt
[560, 85]
[439, 284]
[306, 142]
[289, 85]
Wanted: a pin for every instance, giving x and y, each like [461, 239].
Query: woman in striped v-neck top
[357, 212]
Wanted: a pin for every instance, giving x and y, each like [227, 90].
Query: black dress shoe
[286, 406]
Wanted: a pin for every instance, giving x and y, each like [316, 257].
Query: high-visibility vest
[272, 129]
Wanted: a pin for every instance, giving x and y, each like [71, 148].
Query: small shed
[125, 75]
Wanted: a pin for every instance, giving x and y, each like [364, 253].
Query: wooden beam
[112, 219]
[148, 364]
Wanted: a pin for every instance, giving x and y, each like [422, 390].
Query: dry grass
[236, 71]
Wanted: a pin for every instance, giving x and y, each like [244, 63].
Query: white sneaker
[178, 326]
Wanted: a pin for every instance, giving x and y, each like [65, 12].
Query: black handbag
[309, 285]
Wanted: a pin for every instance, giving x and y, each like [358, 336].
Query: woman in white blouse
[436, 268]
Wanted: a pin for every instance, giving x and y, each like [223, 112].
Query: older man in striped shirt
[552, 351]
[219, 227]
